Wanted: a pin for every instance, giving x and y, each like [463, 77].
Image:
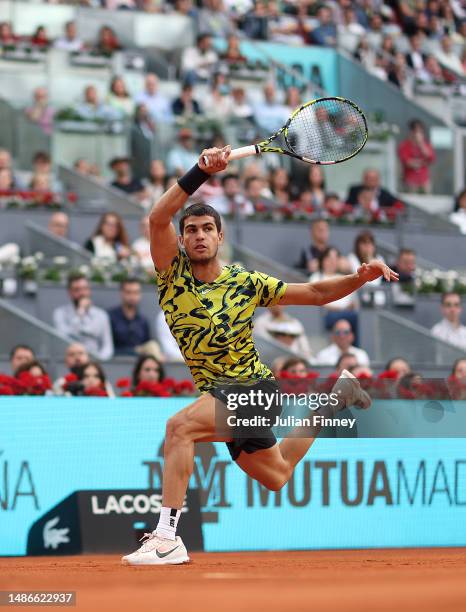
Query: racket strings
[327, 131]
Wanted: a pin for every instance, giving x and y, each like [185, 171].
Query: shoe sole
[181, 561]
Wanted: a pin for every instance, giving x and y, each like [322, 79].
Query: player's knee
[176, 429]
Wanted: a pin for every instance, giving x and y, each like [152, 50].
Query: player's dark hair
[200, 210]
[20, 346]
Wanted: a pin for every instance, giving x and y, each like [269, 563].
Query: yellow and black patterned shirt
[212, 322]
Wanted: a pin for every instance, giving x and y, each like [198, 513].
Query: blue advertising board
[317, 65]
[346, 493]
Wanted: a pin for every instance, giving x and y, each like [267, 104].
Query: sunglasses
[452, 304]
[342, 332]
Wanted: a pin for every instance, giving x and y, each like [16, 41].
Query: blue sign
[346, 493]
[316, 64]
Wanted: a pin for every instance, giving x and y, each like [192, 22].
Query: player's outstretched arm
[163, 239]
[332, 289]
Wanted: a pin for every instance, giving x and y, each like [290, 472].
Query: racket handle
[241, 152]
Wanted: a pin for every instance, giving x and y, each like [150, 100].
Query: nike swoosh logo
[165, 554]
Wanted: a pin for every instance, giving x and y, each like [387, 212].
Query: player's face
[201, 238]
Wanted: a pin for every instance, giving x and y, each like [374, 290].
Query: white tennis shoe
[350, 393]
[158, 551]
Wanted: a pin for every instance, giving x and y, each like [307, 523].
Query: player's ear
[221, 237]
[180, 241]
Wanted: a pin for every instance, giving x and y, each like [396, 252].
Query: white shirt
[141, 247]
[167, 342]
[200, 63]
[444, 330]
[157, 104]
[300, 345]
[459, 219]
[331, 354]
[65, 44]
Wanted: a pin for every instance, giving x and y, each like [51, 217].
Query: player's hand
[374, 269]
[214, 160]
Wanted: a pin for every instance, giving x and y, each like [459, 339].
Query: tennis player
[209, 310]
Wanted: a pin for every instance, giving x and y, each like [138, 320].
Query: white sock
[168, 522]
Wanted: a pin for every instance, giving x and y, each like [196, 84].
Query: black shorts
[252, 438]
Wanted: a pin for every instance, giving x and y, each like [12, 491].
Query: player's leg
[274, 466]
[195, 423]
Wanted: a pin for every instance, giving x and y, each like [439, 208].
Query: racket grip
[241, 152]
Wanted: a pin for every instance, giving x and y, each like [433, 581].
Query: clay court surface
[395, 580]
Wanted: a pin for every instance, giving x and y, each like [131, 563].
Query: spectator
[280, 186]
[450, 328]
[70, 41]
[371, 180]
[416, 155]
[185, 105]
[6, 181]
[6, 164]
[365, 54]
[156, 184]
[408, 386]
[34, 368]
[277, 324]
[293, 99]
[415, 58]
[110, 239]
[320, 233]
[213, 20]
[365, 209]
[198, 63]
[398, 365]
[241, 107]
[41, 112]
[93, 380]
[141, 247]
[398, 75]
[7, 36]
[316, 186]
[218, 102]
[59, 224]
[346, 361]
[458, 217]
[41, 183]
[432, 72]
[167, 342]
[342, 342]
[183, 156]
[119, 98]
[293, 366]
[269, 114]
[283, 27]
[124, 180]
[325, 34]
[20, 355]
[364, 251]
[93, 109]
[147, 369]
[448, 58]
[40, 37]
[254, 191]
[406, 268]
[156, 103]
[232, 201]
[76, 355]
[350, 27]
[232, 53]
[42, 165]
[130, 329]
[459, 369]
[107, 41]
[362, 371]
[334, 205]
[83, 321]
[143, 128]
[330, 262]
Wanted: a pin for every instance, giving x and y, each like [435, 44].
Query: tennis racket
[323, 131]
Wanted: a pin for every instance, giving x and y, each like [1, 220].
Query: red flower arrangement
[24, 384]
[168, 387]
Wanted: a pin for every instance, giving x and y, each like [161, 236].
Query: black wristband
[193, 179]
